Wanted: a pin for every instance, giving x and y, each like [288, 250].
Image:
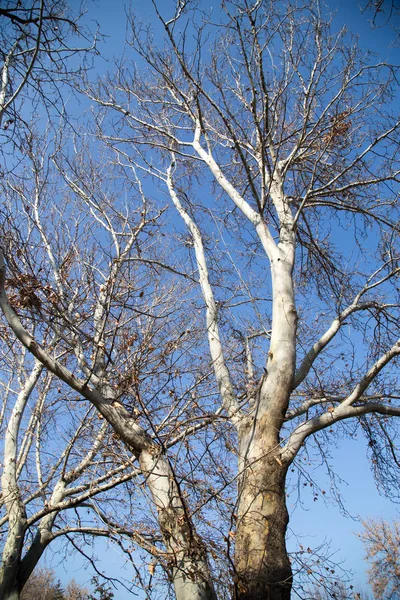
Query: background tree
[103, 591]
[382, 544]
[341, 592]
[270, 138]
[73, 591]
[42, 584]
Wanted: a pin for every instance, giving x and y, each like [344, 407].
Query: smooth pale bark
[187, 554]
[15, 508]
[221, 371]
[262, 564]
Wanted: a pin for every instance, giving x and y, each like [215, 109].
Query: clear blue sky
[316, 521]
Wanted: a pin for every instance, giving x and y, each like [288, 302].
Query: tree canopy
[204, 274]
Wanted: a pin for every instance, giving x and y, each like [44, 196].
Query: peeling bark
[188, 559]
[262, 565]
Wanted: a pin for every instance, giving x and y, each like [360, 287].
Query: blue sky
[317, 521]
[111, 17]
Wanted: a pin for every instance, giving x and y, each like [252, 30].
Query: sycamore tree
[79, 287]
[60, 464]
[273, 143]
[89, 288]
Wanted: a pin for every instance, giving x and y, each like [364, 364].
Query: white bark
[262, 230]
[15, 508]
[187, 554]
[222, 376]
[5, 74]
[190, 570]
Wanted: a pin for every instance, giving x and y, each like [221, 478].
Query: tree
[42, 584]
[44, 484]
[73, 591]
[102, 589]
[382, 542]
[272, 139]
[62, 464]
[91, 453]
[36, 41]
[341, 592]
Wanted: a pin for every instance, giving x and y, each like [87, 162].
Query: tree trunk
[15, 508]
[11, 593]
[187, 554]
[9, 588]
[263, 570]
[9, 585]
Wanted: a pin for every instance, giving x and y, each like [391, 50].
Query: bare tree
[58, 455]
[87, 291]
[290, 149]
[382, 544]
[275, 144]
[73, 591]
[42, 584]
[57, 458]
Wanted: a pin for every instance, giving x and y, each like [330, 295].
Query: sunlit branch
[329, 334]
[221, 372]
[347, 408]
